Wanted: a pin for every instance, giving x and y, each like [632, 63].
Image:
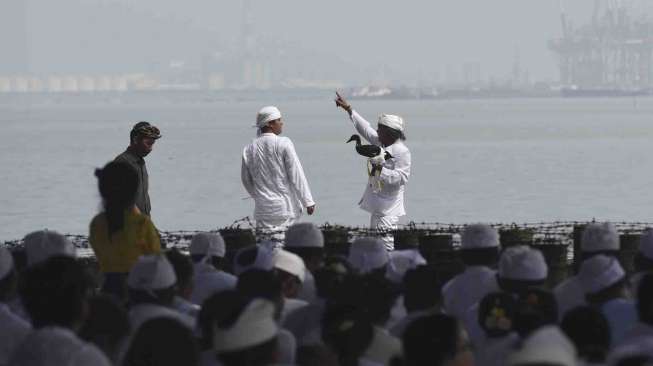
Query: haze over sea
[511, 160]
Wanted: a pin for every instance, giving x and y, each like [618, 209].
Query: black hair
[183, 268]
[215, 261]
[163, 342]
[480, 256]
[262, 284]
[431, 340]
[347, 332]
[106, 325]
[54, 292]
[246, 256]
[118, 184]
[611, 292]
[8, 285]
[645, 299]
[373, 296]
[329, 279]
[535, 308]
[519, 286]
[134, 133]
[224, 304]
[422, 288]
[260, 355]
[163, 296]
[643, 263]
[312, 256]
[588, 329]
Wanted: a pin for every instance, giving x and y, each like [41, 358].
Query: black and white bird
[368, 151]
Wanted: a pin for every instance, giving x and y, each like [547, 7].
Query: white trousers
[384, 225]
[273, 229]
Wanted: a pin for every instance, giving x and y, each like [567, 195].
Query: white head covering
[290, 262]
[254, 326]
[401, 261]
[392, 121]
[646, 243]
[599, 272]
[599, 237]
[304, 234]
[264, 259]
[547, 345]
[367, 254]
[152, 272]
[208, 244]
[477, 236]
[522, 263]
[43, 244]
[6, 262]
[267, 114]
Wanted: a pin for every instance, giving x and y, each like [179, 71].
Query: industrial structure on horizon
[613, 52]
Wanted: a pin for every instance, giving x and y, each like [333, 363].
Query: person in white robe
[273, 176]
[603, 281]
[479, 251]
[598, 238]
[207, 251]
[384, 194]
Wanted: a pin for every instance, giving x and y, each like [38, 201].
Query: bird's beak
[351, 139]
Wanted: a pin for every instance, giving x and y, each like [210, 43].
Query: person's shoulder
[98, 220]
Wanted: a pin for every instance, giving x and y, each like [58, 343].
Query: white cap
[290, 262]
[304, 234]
[6, 262]
[401, 261]
[367, 254]
[152, 272]
[43, 244]
[264, 259]
[267, 114]
[599, 272]
[208, 244]
[599, 237]
[392, 121]
[547, 345]
[477, 236]
[254, 326]
[522, 263]
[646, 243]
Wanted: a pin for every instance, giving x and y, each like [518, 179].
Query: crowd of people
[284, 301]
[292, 304]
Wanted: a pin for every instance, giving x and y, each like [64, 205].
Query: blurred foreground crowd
[290, 304]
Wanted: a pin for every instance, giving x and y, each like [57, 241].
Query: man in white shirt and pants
[384, 194]
[274, 177]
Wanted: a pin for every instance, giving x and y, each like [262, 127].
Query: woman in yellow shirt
[120, 234]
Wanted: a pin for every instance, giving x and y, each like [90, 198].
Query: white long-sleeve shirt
[274, 177]
[389, 200]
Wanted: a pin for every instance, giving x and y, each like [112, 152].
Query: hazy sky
[413, 38]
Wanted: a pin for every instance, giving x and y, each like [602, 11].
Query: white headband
[392, 121]
[267, 114]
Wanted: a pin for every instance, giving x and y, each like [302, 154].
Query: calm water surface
[478, 160]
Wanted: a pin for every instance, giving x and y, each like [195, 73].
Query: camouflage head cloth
[145, 129]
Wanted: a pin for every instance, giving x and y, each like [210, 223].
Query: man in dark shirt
[142, 138]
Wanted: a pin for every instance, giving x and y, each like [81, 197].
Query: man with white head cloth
[273, 175]
[384, 193]
[598, 238]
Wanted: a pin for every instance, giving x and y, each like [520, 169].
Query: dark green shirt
[138, 163]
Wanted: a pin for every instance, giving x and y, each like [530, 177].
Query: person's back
[119, 251]
[120, 234]
[268, 159]
[272, 175]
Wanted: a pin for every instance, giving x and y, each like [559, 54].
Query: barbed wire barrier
[437, 242]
